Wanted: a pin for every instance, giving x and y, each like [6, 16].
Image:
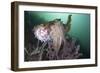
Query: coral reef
[71, 51]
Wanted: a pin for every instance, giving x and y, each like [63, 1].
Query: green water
[80, 27]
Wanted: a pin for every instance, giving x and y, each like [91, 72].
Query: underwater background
[80, 27]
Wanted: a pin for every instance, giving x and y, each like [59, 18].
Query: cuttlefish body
[58, 30]
[57, 34]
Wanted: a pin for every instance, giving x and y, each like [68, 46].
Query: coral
[42, 34]
[70, 51]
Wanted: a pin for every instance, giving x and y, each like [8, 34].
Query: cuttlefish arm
[68, 24]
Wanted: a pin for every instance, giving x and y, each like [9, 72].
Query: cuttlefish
[56, 30]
